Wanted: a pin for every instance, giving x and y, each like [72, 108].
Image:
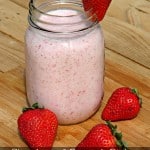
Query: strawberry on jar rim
[38, 127]
[96, 7]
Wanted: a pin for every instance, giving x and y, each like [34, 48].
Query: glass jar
[64, 59]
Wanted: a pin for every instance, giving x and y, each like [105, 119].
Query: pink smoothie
[65, 73]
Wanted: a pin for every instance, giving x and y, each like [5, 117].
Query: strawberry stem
[119, 142]
[34, 106]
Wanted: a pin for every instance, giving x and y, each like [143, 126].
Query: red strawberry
[98, 7]
[102, 136]
[123, 104]
[38, 127]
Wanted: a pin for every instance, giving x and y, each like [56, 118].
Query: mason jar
[64, 59]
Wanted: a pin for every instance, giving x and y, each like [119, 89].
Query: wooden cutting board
[127, 63]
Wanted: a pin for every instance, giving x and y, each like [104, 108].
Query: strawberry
[97, 7]
[123, 104]
[102, 136]
[38, 127]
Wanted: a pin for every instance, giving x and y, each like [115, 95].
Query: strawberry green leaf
[34, 106]
[119, 142]
[136, 92]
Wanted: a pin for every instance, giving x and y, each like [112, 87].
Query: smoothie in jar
[65, 63]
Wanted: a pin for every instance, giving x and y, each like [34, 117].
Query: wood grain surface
[126, 28]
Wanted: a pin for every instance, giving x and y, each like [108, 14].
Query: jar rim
[89, 16]
[32, 4]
